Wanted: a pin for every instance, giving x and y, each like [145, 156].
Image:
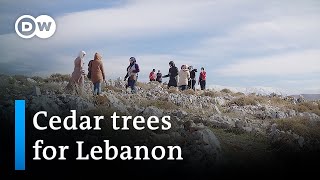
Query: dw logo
[27, 26]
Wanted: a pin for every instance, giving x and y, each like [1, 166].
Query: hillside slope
[233, 128]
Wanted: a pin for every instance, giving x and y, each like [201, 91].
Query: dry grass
[101, 100]
[19, 80]
[301, 126]
[301, 107]
[112, 88]
[248, 100]
[212, 94]
[147, 86]
[38, 79]
[189, 91]
[237, 94]
[305, 107]
[174, 90]
[241, 148]
[225, 90]
[52, 87]
[130, 137]
[106, 126]
[58, 78]
[235, 114]
[276, 101]
[12, 88]
[166, 105]
[143, 85]
[101, 111]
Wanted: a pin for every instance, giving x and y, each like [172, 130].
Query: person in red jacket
[152, 75]
[202, 79]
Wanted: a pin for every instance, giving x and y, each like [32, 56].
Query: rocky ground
[213, 126]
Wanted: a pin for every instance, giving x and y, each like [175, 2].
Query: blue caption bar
[20, 135]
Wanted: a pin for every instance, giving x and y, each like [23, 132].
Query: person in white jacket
[184, 76]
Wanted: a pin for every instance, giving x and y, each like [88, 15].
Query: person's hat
[133, 59]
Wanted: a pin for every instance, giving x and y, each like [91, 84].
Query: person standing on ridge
[152, 75]
[202, 79]
[76, 82]
[173, 75]
[97, 73]
[192, 81]
[78, 72]
[184, 76]
[132, 74]
[159, 76]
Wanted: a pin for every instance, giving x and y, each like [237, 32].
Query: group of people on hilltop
[184, 79]
[96, 72]
[155, 77]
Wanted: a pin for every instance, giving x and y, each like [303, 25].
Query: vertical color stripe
[20, 135]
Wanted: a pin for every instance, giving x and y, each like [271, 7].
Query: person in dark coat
[173, 75]
[159, 77]
[192, 82]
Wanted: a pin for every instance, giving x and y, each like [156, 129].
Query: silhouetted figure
[173, 75]
[192, 82]
[159, 76]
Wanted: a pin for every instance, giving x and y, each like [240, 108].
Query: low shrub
[189, 91]
[301, 126]
[159, 104]
[225, 90]
[58, 78]
[305, 107]
[212, 94]
[244, 101]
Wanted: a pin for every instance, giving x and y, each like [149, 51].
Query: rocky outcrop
[56, 104]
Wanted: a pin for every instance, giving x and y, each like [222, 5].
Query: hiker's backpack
[89, 69]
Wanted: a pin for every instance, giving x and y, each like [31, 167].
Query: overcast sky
[242, 43]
